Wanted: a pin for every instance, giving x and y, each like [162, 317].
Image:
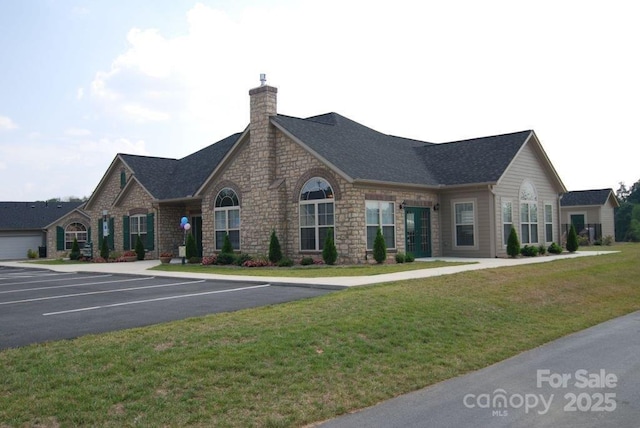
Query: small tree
[379, 248]
[513, 244]
[104, 248]
[139, 248]
[75, 250]
[275, 252]
[572, 240]
[191, 250]
[329, 251]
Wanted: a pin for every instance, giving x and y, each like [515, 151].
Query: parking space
[40, 305]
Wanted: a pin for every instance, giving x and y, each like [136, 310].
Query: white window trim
[316, 226]
[141, 220]
[552, 223]
[226, 229]
[502, 202]
[380, 224]
[75, 233]
[529, 202]
[454, 236]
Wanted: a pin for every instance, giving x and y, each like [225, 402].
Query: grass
[313, 271]
[296, 363]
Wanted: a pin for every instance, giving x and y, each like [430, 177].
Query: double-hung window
[227, 218]
[465, 224]
[507, 220]
[137, 226]
[381, 214]
[316, 214]
[548, 223]
[528, 214]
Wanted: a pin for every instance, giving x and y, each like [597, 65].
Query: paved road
[587, 379]
[39, 305]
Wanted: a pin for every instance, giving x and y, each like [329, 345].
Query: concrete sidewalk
[142, 268]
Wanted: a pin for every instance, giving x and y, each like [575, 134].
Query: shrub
[191, 250]
[554, 248]
[259, 262]
[285, 262]
[32, 254]
[226, 259]
[329, 251]
[409, 258]
[542, 249]
[379, 248]
[104, 249]
[139, 248]
[275, 252]
[607, 240]
[227, 248]
[583, 241]
[129, 253]
[209, 260]
[75, 250]
[306, 261]
[513, 244]
[400, 257]
[242, 258]
[572, 240]
[528, 251]
[195, 260]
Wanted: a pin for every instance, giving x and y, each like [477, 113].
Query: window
[316, 214]
[137, 226]
[227, 218]
[381, 214]
[77, 231]
[507, 221]
[464, 224]
[548, 223]
[528, 214]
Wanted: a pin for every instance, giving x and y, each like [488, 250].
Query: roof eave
[396, 184]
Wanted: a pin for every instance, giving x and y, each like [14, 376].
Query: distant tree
[379, 248]
[572, 240]
[329, 251]
[139, 248]
[275, 252]
[513, 244]
[75, 250]
[633, 232]
[623, 220]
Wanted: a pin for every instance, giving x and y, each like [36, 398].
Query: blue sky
[81, 81]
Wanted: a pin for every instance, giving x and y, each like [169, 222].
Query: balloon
[184, 221]
[181, 226]
[187, 226]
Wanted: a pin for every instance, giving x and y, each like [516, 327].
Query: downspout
[560, 195]
[492, 223]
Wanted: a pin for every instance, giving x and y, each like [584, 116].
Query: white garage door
[15, 246]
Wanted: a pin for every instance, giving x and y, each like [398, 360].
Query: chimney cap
[263, 79]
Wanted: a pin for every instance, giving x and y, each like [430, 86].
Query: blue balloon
[184, 221]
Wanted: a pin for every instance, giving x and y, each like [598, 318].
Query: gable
[597, 197]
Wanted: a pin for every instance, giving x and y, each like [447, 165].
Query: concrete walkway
[142, 268]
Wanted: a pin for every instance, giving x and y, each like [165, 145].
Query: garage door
[15, 246]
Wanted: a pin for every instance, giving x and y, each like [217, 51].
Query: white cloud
[6, 123]
[143, 114]
[80, 93]
[77, 132]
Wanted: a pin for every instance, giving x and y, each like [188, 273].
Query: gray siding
[482, 205]
[527, 165]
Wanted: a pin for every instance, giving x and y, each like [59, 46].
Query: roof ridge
[487, 136]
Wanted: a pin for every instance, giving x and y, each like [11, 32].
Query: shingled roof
[32, 215]
[365, 154]
[586, 197]
[167, 178]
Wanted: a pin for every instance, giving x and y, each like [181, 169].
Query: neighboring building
[592, 212]
[304, 177]
[24, 226]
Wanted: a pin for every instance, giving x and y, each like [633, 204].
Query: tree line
[628, 214]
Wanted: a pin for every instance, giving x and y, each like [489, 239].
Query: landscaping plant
[75, 250]
[379, 248]
[572, 240]
[139, 248]
[275, 252]
[329, 252]
[513, 244]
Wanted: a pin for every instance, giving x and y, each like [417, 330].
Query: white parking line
[64, 296]
[20, 290]
[137, 302]
[57, 274]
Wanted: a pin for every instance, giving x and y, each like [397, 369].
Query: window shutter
[59, 238]
[150, 232]
[100, 235]
[112, 238]
[126, 241]
[123, 178]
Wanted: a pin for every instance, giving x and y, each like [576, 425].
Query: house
[307, 177]
[24, 226]
[592, 212]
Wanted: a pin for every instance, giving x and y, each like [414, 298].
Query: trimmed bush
[572, 240]
[409, 258]
[104, 249]
[306, 261]
[139, 248]
[275, 252]
[191, 250]
[242, 258]
[379, 248]
[226, 259]
[554, 248]
[285, 262]
[195, 260]
[513, 243]
[528, 251]
[329, 251]
[400, 257]
[75, 250]
[542, 249]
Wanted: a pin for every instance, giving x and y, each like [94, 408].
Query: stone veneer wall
[52, 244]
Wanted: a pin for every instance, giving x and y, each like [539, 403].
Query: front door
[418, 231]
[578, 222]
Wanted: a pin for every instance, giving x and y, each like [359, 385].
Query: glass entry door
[418, 231]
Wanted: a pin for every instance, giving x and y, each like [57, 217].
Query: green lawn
[296, 363]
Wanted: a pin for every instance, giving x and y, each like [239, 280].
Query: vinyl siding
[527, 165]
[482, 206]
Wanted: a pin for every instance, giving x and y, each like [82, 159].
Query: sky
[81, 81]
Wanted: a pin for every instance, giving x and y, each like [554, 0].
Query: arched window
[316, 213]
[227, 218]
[528, 213]
[77, 231]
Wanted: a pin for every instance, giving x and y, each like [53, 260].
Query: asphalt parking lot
[41, 305]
